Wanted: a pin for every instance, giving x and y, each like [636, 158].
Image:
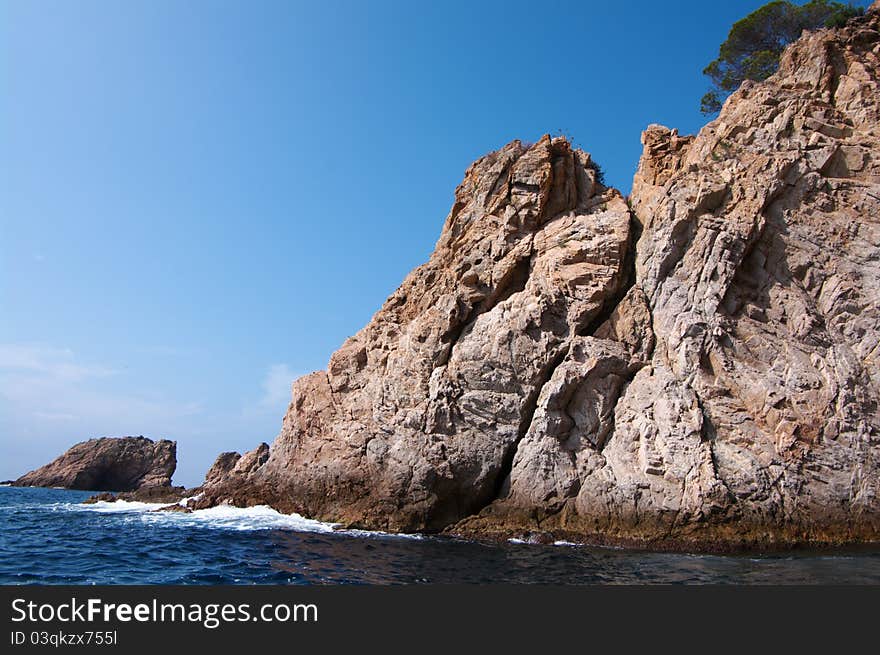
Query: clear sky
[199, 201]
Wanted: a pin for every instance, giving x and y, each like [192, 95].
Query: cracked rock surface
[699, 371]
[415, 423]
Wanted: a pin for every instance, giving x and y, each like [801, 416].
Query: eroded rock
[108, 464]
[755, 419]
[700, 372]
[221, 467]
[415, 423]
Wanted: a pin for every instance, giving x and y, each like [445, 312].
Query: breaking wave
[224, 517]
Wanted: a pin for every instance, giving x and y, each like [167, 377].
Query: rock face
[221, 467]
[697, 369]
[108, 464]
[416, 421]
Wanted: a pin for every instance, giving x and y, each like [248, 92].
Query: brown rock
[754, 419]
[149, 494]
[714, 385]
[221, 467]
[252, 460]
[104, 496]
[175, 507]
[416, 421]
[108, 464]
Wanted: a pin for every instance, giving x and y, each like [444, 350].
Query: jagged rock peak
[414, 424]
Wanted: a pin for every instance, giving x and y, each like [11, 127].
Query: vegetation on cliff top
[755, 43]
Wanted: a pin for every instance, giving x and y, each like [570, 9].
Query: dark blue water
[47, 537]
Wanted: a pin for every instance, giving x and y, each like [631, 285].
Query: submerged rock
[175, 507]
[108, 464]
[103, 497]
[696, 368]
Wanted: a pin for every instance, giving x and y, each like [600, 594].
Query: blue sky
[200, 201]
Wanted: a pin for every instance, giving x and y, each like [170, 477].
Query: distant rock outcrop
[695, 368]
[232, 465]
[221, 467]
[108, 464]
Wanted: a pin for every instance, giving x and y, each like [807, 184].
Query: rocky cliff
[108, 464]
[694, 367]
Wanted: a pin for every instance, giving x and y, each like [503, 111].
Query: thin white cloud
[48, 362]
[276, 386]
[48, 385]
[275, 396]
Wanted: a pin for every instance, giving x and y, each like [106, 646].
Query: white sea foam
[117, 507]
[224, 517]
[242, 519]
[183, 502]
[515, 540]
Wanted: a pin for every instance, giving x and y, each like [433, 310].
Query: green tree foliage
[754, 44]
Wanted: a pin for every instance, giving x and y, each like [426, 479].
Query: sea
[47, 536]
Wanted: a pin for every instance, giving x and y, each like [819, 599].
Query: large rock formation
[108, 464]
[416, 421]
[697, 371]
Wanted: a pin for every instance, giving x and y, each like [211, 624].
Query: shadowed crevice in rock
[502, 484]
[629, 279]
[609, 306]
[514, 281]
[620, 391]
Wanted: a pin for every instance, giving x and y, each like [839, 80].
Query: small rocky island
[108, 464]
